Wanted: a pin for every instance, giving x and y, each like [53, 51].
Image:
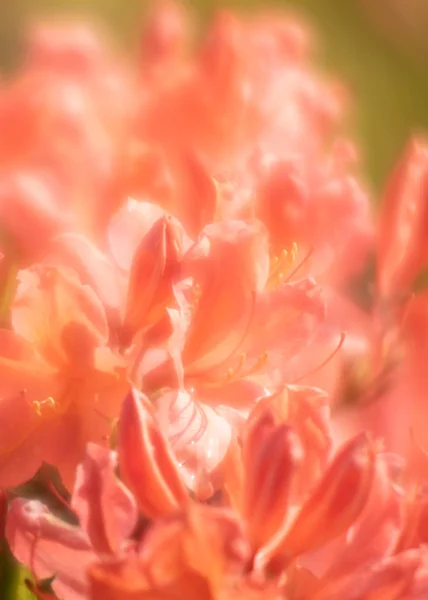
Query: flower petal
[198, 435]
[128, 227]
[154, 269]
[77, 252]
[272, 456]
[119, 579]
[285, 321]
[61, 317]
[49, 547]
[402, 248]
[391, 579]
[106, 509]
[221, 301]
[333, 505]
[146, 462]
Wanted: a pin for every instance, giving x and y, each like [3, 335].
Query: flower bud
[272, 455]
[155, 263]
[146, 462]
[334, 504]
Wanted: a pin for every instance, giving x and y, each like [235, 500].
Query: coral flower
[62, 137]
[170, 224]
[232, 318]
[290, 530]
[50, 546]
[60, 381]
[208, 361]
[395, 332]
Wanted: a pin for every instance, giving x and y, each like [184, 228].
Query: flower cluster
[179, 237]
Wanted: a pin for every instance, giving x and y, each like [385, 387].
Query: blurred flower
[186, 229]
[56, 371]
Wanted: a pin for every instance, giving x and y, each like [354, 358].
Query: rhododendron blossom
[265, 534]
[184, 373]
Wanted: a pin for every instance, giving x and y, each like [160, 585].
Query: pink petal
[77, 252]
[128, 227]
[30, 212]
[221, 301]
[49, 546]
[375, 534]
[62, 318]
[106, 509]
[198, 435]
[285, 322]
[390, 579]
[20, 462]
[146, 462]
[25, 388]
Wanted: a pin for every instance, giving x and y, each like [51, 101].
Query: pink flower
[58, 375]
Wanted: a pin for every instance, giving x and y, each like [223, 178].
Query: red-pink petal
[106, 509]
[50, 547]
[147, 465]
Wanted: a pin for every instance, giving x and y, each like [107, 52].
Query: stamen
[406, 311]
[280, 265]
[260, 362]
[40, 405]
[48, 406]
[233, 374]
[326, 361]
[58, 496]
[301, 264]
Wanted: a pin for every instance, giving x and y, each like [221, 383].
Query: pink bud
[146, 461]
[402, 246]
[272, 455]
[154, 266]
[334, 504]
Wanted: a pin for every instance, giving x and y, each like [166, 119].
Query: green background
[389, 83]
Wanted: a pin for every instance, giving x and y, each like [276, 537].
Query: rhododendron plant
[205, 409]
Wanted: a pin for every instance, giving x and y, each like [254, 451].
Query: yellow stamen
[280, 265]
[232, 373]
[238, 372]
[48, 403]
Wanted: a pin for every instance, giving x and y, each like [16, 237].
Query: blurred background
[378, 47]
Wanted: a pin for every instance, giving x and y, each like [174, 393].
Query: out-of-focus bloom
[402, 235]
[62, 135]
[393, 389]
[227, 104]
[171, 221]
[58, 375]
